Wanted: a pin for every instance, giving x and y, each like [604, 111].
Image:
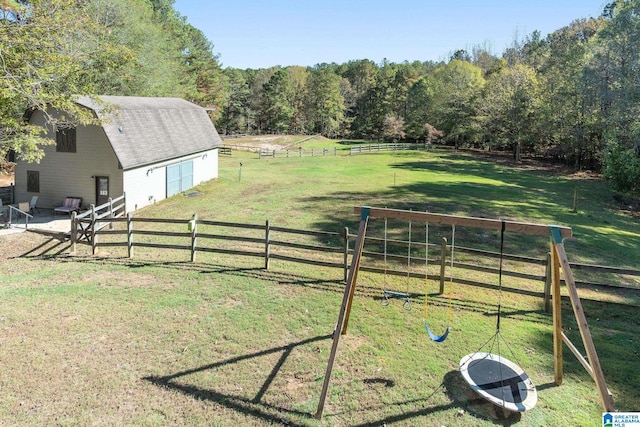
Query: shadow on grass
[461, 396]
[254, 407]
[503, 192]
[287, 278]
[281, 278]
[455, 387]
[614, 331]
[50, 248]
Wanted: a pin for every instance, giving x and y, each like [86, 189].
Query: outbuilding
[149, 148]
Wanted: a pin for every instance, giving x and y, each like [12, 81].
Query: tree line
[572, 96]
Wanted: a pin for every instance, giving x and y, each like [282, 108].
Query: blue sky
[263, 33]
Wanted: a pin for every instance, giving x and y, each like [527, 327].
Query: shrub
[622, 169]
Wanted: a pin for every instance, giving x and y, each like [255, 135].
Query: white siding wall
[70, 174]
[207, 168]
[148, 184]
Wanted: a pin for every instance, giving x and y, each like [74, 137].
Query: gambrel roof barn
[150, 148]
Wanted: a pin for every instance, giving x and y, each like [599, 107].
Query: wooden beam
[465, 221]
[583, 326]
[556, 300]
[584, 362]
[345, 309]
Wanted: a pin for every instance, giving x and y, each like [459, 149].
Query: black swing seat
[393, 294]
[499, 381]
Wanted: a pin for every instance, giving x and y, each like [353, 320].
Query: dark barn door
[102, 190]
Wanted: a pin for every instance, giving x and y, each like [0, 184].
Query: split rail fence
[106, 226]
[400, 146]
[298, 152]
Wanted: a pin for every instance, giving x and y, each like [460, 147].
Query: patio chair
[70, 204]
[23, 207]
[32, 205]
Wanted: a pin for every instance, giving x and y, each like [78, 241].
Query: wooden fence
[85, 226]
[269, 242]
[298, 152]
[388, 146]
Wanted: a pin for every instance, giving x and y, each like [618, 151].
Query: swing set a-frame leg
[592, 365]
[345, 308]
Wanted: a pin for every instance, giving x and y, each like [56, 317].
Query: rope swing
[497, 379]
[432, 336]
[386, 293]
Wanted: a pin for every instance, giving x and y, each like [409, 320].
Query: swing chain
[407, 304]
[385, 300]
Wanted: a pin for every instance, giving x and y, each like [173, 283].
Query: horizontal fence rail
[389, 146]
[85, 226]
[225, 151]
[297, 152]
[322, 248]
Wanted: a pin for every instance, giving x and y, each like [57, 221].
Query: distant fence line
[272, 243]
[237, 135]
[388, 146]
[298, 152]
[226, 149]
[263, 152]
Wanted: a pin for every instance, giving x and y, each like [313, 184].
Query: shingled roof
[144, 130]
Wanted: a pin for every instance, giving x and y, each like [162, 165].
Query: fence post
[443, 263]
[547, 284]
[194, 230]
[94, 238]
[267, 236]
[346, 253]
[129, 235]
[74, 232]
[110, 213]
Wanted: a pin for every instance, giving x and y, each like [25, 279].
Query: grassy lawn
[157, 340]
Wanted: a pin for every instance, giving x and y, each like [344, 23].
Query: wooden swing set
[559, 263]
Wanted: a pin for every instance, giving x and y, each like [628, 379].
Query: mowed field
[158, 340]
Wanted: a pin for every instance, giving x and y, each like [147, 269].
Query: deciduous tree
[46, 45]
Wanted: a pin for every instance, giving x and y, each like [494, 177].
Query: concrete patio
[44, 220]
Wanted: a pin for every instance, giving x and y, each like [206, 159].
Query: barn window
[66, 140]
[179, 177]
[33, 181]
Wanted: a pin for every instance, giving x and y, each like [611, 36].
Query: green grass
[157, 340]
[320, 193]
